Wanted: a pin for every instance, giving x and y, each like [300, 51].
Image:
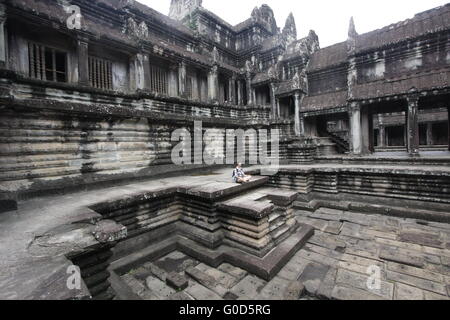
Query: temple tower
[179, 9]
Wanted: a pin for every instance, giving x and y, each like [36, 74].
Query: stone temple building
[91, 92]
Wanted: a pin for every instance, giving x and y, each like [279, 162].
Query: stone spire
[265, 16]
[352, 35]
[351, 29]
[179, 9]
[290, 29]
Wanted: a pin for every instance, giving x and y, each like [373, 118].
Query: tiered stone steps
[248, 225]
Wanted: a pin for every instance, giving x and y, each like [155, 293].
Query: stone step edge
[265, 268]
[359, 207]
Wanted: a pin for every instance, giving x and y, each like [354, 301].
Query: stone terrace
[413, 255]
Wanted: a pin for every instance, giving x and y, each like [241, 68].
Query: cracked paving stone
[177, 281]
[395, 256]
[417, 282]
[250, 286]
[199, 292]
[223, 278]
[406, 292]
[159, 288]
[294, 291]
[421, 239]
[362, 282]
[415, 272]
[274, 289]
[236, 272]
[313, 276]
[344, 293]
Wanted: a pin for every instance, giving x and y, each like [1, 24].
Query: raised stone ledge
[254, 210]
[215, 191]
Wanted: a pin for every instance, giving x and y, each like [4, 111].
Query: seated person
[239, 175]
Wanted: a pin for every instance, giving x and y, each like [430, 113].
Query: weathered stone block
[294, 291]
[177, 281]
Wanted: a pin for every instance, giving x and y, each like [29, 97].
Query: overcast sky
[329, 18]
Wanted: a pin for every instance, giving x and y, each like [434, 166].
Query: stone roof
[433, 80]
[216, 17]
[329, 56]
[243, 25]
[325, 101]
[55, 12]
[430, 21]
[261, 78]
[288, 86]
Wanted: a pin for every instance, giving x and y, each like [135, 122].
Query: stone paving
[412, 258]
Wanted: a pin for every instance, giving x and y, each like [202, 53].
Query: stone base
[266, 267]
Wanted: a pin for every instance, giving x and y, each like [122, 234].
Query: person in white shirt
[239, 175]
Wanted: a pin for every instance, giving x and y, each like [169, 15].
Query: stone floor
[412, 258]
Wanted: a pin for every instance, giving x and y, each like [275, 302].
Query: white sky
[329, 18]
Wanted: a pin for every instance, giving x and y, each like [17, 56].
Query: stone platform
[47, 235]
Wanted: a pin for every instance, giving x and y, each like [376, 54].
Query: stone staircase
[250, 226]
[326, 147]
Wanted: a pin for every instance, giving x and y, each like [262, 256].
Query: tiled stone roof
[426, 22]
[324, 101]
[329, 56]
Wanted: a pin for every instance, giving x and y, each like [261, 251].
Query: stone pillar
[173, 80]
[240, 92]
[355, 129]
[3, 38]
[182, 79]
[382, 136]
[213, 84]
[412, 124]
[430, 141]
[273, 100]
[297, 128]
[250, 100]
[83, 61]
[232, 90]
[302, 126]
[370, 145]
[141, 71]
[448, 125]
[278, 112]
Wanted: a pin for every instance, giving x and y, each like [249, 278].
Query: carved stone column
[232, 89]
[382, 137]
[140, 76]
[213, 84]
[240, 92]
[412, 124]
[297, 126]
[302, 126]
[83, 61]
[250, 93]
[182, 79]
[448, 125]
[173, 80]
[355, 129]
[273, 100]
[3, 53]
[430, 141]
